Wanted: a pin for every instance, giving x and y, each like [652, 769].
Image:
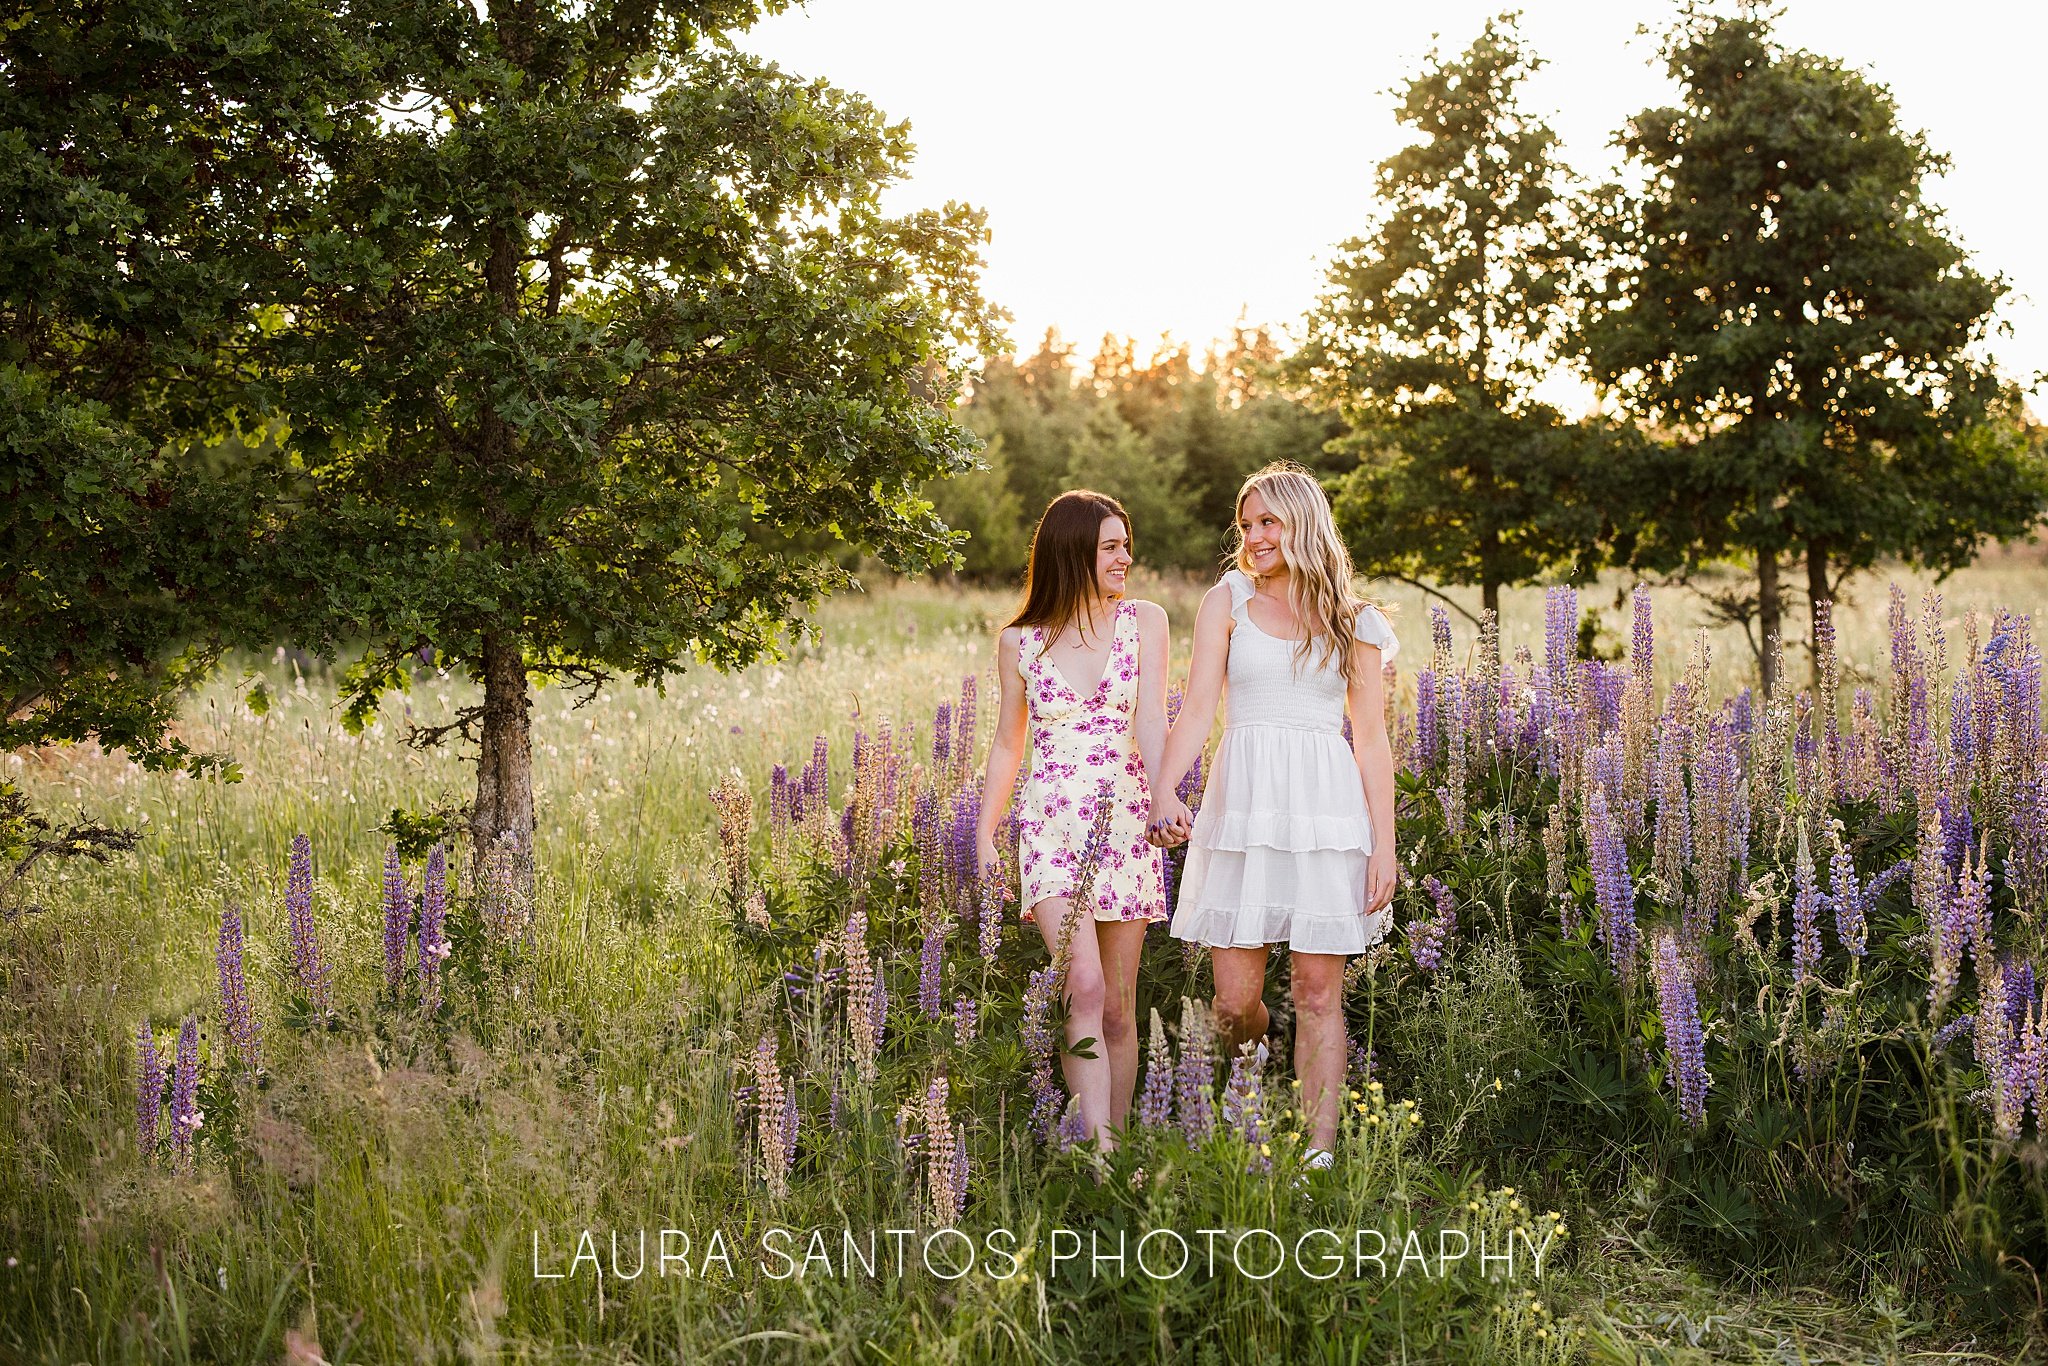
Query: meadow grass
[392, 1175]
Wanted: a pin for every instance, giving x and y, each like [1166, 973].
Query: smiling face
[1261, 529]
[1112, 556]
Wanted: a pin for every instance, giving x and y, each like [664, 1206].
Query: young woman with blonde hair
[1295, 841]
[1083, 674]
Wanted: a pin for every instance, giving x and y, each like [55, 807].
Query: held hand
[1169, 822]
[986, 856]
[1380, 876]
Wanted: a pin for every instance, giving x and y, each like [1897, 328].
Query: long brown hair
[1060, 575]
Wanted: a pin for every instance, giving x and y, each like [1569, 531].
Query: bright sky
[1155, 167]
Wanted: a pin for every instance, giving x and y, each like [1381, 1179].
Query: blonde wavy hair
[1319, 567]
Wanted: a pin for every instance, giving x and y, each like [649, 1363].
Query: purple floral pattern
[1076, 743]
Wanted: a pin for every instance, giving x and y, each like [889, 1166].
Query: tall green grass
[388, 1181]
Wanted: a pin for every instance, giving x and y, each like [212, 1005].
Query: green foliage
[1172, 441]
[982, 504]
[600, 353]
[1785, 303]
[1435, 328]
[149, 157]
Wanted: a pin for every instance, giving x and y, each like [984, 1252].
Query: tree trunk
[504, 768]
[1817, 592]
[1489, 596]
[1770, 612]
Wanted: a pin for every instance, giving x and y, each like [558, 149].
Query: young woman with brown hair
[1083, 673]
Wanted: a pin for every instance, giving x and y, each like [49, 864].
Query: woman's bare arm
[1375, 756]
[1198, 705]
[1006, 747]
[1153, 653]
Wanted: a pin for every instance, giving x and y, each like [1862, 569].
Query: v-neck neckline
[1109, 658]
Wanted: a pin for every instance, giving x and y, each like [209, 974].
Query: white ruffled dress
[1278, 851]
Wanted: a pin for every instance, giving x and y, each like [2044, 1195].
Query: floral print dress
[1077, 745]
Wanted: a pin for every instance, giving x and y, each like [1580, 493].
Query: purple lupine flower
[963, 716]
[237, 1017]
[963, 819]
[966, 1017]
[782, 806]
[1805, 911]
[1189, 788]
[818, 777]
[1039, 1046]
[942, 737]
[397, 920]
[1155, 1102]
[185, 1116]
[1972, 906]
[1614, 893]
[2026, 859]
[149, 1091]
[1684, 1040]
[1953, 1030]
[1642, 636]
[1921, 750]
[992, 894]
[1947, 921]
[1962, 730]
[2019, 1066]
[1806, 756]
[892, 764]
[1439, 638]
[1957, 832]
[1604, 686]
[1194, 1077]
[1359, 1067]
[928, 836]
[881, 1009]
[931, 961]
[2014, 661]
[1878, 885]
[792, 1122]
[1846, 896]
[1244, 1102]
[1561, 639]
[1672, 840]
[1070, 1131]
[434, 946]
[1428, 935]
[1745, 713]
[2018, 982]
[1428, 740]
[308, 966]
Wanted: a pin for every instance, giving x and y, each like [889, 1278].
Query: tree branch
[1433, 592]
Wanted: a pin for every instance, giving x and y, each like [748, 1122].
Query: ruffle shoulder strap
[1240, 585]
[1373, 628]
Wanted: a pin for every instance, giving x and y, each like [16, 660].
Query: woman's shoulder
[1150, 614]
[1233, 589]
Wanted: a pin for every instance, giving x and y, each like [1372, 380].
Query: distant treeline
[1171, 438]
[1789, 349]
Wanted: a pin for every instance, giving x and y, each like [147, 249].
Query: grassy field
[395, 1182]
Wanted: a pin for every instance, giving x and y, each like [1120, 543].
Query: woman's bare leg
[1088, 1079]
[1120, 942]
[1319, 1057]
[1240, 1006]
